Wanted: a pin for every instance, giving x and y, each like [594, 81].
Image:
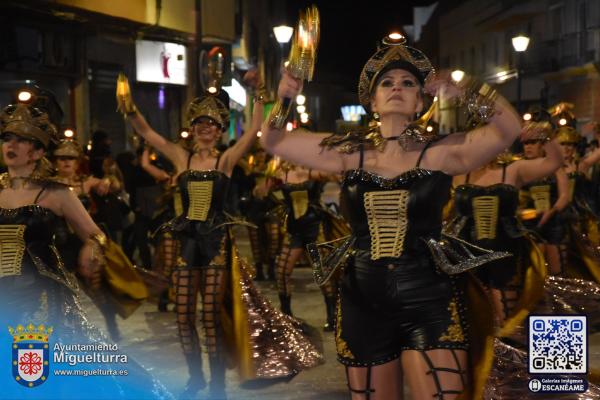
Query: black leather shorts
[305, 230]
[395, 304]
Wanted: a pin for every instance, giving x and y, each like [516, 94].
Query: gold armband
[480, 100]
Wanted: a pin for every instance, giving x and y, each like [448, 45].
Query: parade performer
[548, 196]
[36, 290]
[398, 317]
[235, 318]
[582, 254]
[485, 206]
[306, 219]
[117, 287]
[166, 244]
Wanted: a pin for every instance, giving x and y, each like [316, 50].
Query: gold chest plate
[485, 212]
[200, 200]
[388, 220]
[12, 247]
[299, 203]
[177, 203]
[541, 197]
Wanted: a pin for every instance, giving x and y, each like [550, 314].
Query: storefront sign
[161, 62]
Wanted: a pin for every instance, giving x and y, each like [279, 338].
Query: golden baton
[301, 60]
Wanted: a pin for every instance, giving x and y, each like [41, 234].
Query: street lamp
[520, 44]
[283, 34]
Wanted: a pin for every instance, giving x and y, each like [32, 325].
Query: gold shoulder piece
[351, 142]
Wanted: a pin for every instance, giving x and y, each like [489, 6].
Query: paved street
[151, 338]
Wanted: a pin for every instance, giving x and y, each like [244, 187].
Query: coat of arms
[30, 360]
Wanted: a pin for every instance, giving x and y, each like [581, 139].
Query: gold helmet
[28, 122]
[542, 129]
[567, 135]
[68, 148]
[208, 106]
[392, 53]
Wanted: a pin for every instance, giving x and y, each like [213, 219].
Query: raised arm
[175, 153]
[301, 147]
[532, 170]
[589, 161]
[234, 154]
[468, 151]
[156, 172]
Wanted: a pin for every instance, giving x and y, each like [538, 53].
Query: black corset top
[203, 194]
[390, 216]
[487, 212]
[540, 195]
[38, 222]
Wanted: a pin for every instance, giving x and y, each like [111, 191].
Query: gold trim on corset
[177, 203]
[299, 202]
[485, 211]
[454, 333]
[386, 215]
[278, 194]
[12, 247]
[200, 198]
[541, 197]
[340, 344]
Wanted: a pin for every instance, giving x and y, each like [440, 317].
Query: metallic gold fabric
[454, 333]
[268, 344]
[177, 203]
[123, 280]
[541, 197]
[299, 203]
[485, 213]
[12, 247]
[28, 122]
[68, 148]
[387, 219]
[200, 199]
[210, 107]
[387, 53]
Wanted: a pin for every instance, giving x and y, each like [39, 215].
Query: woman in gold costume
[398, 318]
[209, 263]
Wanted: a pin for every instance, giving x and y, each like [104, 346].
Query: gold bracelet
[261, 94]
[480, 100]
[99, 244]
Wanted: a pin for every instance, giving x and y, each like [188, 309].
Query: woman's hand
[441, 84]
[252, 78]
[91, 261]
[289, 87]
[546, 217]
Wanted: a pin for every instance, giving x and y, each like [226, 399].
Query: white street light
[283, 33]
[301, 109]
[562, 122]
[289, 127]
[24, 96]
[69, 133]
[300, 99]
[457, 75]
[520, 43]
[258, 134]
[527, 116]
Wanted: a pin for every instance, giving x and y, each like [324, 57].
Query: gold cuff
[279, 113]
[480, 100]
[261, 94]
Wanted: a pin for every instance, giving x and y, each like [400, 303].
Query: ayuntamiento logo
[30, 359]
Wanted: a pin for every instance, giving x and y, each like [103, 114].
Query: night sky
[349, 33]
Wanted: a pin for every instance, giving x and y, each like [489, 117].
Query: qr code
[557, 344]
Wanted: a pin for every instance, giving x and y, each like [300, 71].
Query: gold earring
[376, 116]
